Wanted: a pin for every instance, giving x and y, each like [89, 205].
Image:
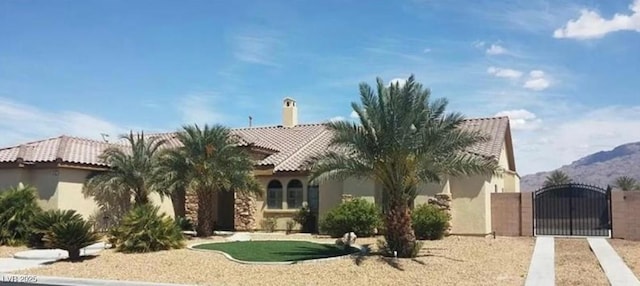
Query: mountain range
[600, 168]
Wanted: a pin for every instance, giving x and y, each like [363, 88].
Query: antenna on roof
[250, 120]
[105, 137]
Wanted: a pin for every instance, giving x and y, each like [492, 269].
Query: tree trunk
[178, 200]
[399, 234]
[206, 213]
[74, 254]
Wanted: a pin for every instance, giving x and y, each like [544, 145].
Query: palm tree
[557, 177]
[627, 184]
[131, 173]
[402, 138]
[208, 162]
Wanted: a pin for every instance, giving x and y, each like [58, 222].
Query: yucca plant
[43, 222]
[144, 229]
[71, 236]
[18, 206]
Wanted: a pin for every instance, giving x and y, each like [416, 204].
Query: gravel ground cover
[630, 253]
[452, 261]
[7, 251]
[576, 264]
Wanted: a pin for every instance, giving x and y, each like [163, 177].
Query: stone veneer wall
[191, 207]
[245, 212]
[443, 202]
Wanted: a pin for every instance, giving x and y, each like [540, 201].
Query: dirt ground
[576, 264]
[630, 253]
[7, 251]
[452, 261]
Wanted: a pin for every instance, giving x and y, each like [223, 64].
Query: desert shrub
[43, 222]
[306, 219]
[184, 223]
[386, 250]
[145, 229]
[429, 222]
[70, 235]
[290, 225]
[269, 224]
[358, 216]
[18, 206]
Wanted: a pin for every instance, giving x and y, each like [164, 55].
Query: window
[274, 195]
[495, 188]
[294, 194]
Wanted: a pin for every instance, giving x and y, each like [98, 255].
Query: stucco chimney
[289, 112]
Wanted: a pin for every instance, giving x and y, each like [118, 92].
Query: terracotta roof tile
[291, 146]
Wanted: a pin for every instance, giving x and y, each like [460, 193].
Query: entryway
[572, 210]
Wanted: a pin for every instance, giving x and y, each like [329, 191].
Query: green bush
[42, 223]
[71, 235]
[144, 229]
[290, 225]
[269, 224]
[357, 215]
[429, 222]
[184, 223]
[18, 206]
[306, 219]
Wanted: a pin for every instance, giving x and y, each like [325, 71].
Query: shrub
[429, 222]
[358, 216]
[290, 225]
[144, 229]
[18, 206]
[306, 219]
[385, 250]
[42, 223]
[71, 235]
[269, 224]
[184, 223]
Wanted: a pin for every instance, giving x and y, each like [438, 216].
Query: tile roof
[291, 146]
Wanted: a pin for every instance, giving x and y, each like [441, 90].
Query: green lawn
[277, 250]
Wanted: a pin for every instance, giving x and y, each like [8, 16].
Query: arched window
[294, 194]
[274, 195]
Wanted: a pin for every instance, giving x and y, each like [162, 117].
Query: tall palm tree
[402, 138]
[557, 177]
[627, 184]
[209, 162]
[131, 173]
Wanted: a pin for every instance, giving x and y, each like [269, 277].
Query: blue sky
[566, 73]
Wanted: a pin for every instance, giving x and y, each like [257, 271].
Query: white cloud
[256, 49]
[564, 140]
[399, 81]
[537, 81]
[521, 119]
[22, 123]
[591, 25]
[200, 109]
[504, 73]
[478, 44]
[354, 115]
[336, 118]
[426, 50]
[496, 50]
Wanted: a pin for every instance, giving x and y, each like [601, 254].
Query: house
[57, 167]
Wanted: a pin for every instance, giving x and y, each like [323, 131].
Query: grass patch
[277, 250]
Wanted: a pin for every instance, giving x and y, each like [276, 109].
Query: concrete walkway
[614, 267]
[542, 267]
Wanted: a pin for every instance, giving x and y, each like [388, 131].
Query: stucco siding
[360, 188]
[285, 213]
[427, 190]
[46, 182]
[11, 177]
[470, 205]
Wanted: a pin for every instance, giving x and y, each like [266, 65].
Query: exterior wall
[511, 182]
[330, 196]
[361, 188]
[426, 191]
[11, 177]
[46, 182]
[506, 214]
[470, 205]
[625, 209]
[285, 213]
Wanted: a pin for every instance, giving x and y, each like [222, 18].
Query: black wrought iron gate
[572, 209]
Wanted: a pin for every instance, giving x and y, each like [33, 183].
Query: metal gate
[573, 210]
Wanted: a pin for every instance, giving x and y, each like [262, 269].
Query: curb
[66, 281]
[317, 260]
